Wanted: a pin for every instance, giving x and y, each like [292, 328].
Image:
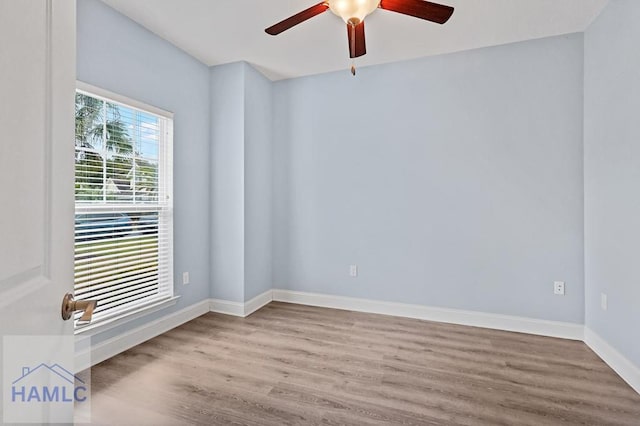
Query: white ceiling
[223, 31]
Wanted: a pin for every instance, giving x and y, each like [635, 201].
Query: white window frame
[138, 311]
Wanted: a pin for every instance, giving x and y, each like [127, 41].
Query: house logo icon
[48, 384]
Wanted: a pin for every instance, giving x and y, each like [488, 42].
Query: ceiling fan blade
[298, 18]
[357, 44]
[433, 12]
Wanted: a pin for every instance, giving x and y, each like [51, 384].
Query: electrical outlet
[558, 288]
[353, 270]
[603, 301]
[185, 278]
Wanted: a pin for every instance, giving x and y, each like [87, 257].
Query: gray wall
[117, 54]
[241, 183]
[612, 175]
[452, 181]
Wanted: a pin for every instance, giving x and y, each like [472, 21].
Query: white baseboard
[88, 357]
[629, 372]
[226, 307]
[239, 309]
[258, 302]
[559, 329]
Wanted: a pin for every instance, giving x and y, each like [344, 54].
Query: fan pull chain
[353, 49]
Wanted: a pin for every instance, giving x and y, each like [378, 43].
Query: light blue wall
[117, 54]
[227, 182]
[258, 182]
[612, 175]
[241, 183]
[452, 181]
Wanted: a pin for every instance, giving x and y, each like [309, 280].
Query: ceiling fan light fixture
[353, 10]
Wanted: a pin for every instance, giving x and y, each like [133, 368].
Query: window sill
[108, 324]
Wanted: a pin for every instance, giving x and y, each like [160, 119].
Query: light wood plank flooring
[292, 364]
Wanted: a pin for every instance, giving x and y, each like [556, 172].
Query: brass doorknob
[70, 305]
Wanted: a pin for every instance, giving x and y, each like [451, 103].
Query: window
[123, 205]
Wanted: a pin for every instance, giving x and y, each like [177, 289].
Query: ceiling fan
[353, 13]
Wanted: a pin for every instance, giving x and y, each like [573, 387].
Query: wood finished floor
[293, 364]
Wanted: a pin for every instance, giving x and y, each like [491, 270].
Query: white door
[37, 82]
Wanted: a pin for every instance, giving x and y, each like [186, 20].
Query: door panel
[37, 83]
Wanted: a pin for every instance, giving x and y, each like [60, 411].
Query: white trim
[226, 307]
[88, 357]
[239, 309]
[540, 327]
[258, 302]
[117, 98]
[629, 372]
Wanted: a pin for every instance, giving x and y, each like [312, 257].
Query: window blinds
[124, 207]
